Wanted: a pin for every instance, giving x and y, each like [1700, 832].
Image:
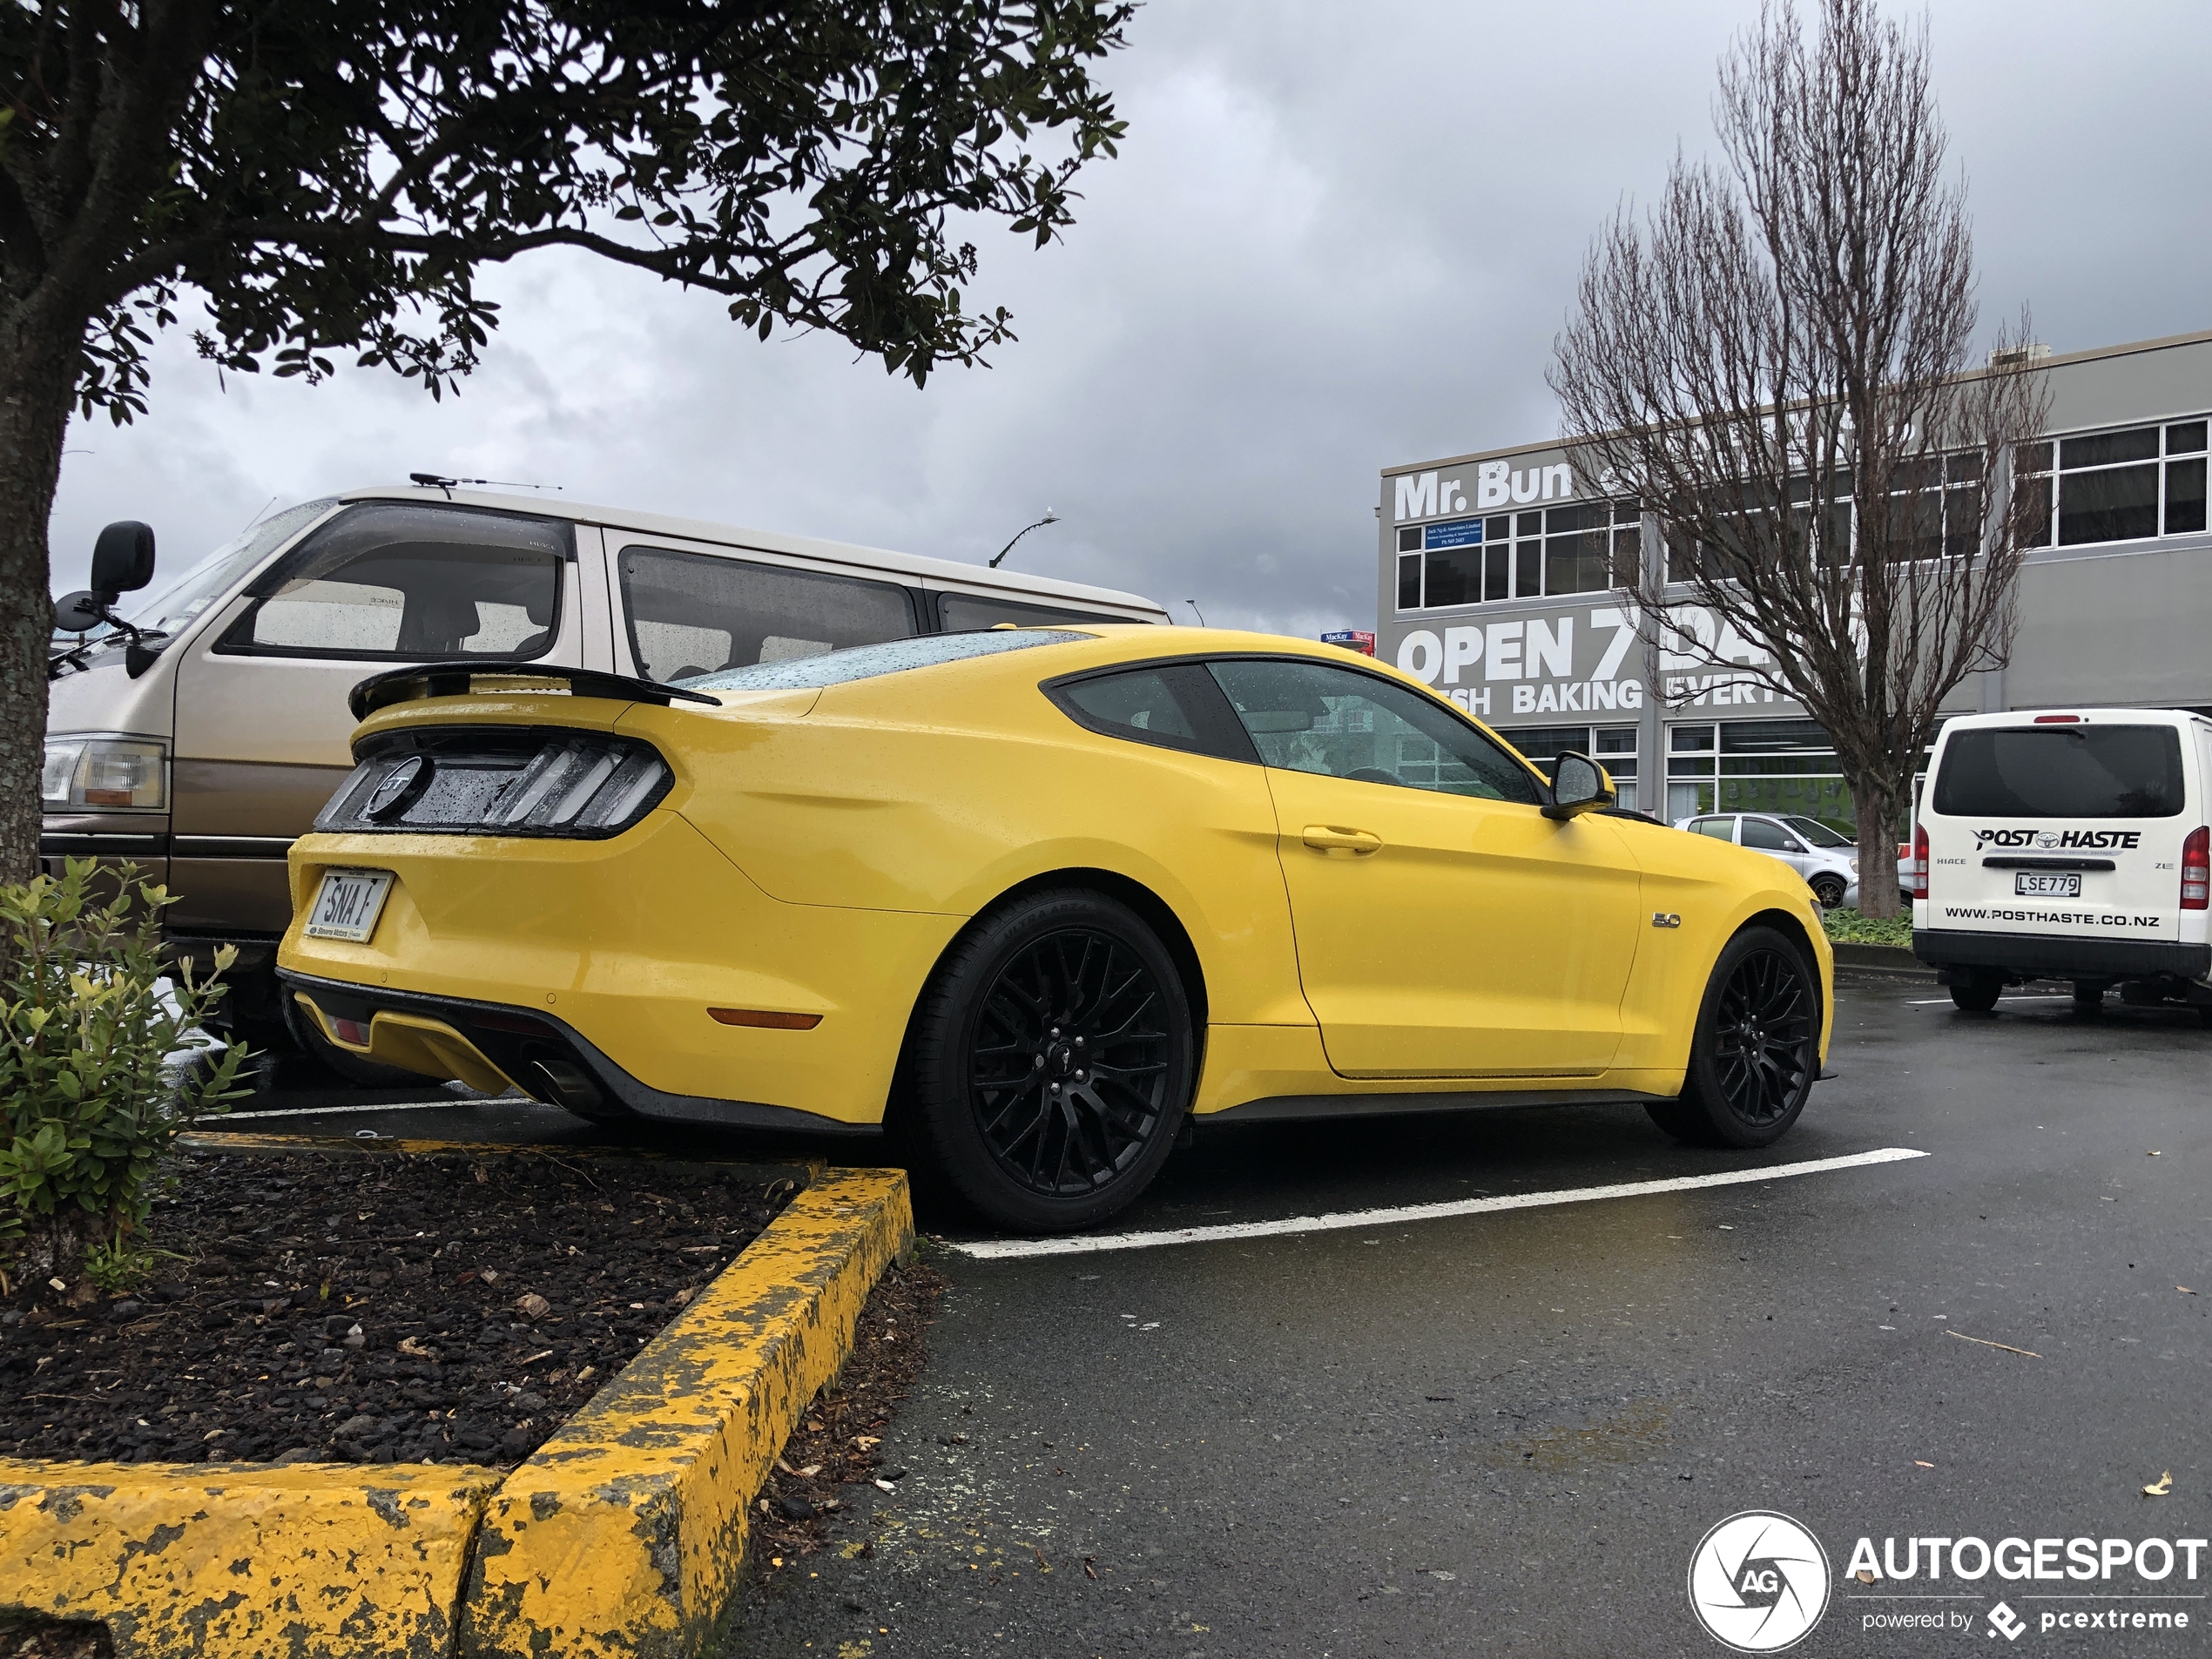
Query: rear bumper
[522, 1044]
[2053, 956]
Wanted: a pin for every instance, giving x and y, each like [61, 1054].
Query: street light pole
[1051, 518]
[1201, 615]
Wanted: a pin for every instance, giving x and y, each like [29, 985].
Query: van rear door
[2068, 828]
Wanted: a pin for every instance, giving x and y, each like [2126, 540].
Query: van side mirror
[123, 559]
[1579, 785]
[79, 612]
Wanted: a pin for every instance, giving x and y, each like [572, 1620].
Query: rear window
[2062, 772]
[868, 662]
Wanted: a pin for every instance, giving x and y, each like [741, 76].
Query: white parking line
[1004, 1249]
[2033, 996]
[335, 1111]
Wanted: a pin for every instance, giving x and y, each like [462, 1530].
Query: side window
[1768, 838]
[1173, 705]
[1310, 717]
[392, 580]
[1720, 829]
[958, 613]
[696, 613]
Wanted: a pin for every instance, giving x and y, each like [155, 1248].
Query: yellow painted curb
[245, 1559]
[625, 1534]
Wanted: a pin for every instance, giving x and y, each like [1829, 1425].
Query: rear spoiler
[419, 680]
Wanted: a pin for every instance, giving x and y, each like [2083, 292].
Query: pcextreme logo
[1758, 1582]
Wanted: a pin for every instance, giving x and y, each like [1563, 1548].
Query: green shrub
[90, 1098]
[1849, 927]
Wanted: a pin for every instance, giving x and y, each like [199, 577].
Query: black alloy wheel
[1756, 1051]
[1053, 1061]
[1829, 890]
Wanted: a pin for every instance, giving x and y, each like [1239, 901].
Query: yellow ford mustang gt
[1033, 897]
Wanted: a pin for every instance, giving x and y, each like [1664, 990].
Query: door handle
[1324, 837]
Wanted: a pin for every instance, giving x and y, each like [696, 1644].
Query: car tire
[2088, 996]
[1977, 995]
[1756, 1051]
[1830, 890]
[1009, 1100]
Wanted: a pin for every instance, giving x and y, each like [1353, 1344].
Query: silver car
[1827, 861]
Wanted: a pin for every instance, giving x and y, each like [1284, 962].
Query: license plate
[2047, 884]
[349, 903]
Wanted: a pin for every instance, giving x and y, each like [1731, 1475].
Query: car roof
[948, 573]
[2018, 718]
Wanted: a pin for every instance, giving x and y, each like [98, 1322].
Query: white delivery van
[205, 734]
[2068, 846]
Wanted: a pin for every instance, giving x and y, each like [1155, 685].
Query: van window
[210, 581]
[2062, 772]
[959, 612]
[392, 580]
[695, 613]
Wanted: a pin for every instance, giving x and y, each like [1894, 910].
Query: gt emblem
[1665, 919]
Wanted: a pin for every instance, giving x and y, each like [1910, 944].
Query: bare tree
[1777, 362]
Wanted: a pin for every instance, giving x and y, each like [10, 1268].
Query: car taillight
[516, 780]
[2196, 870]
[1916, 871]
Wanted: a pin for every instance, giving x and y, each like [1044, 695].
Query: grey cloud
[1338, 237]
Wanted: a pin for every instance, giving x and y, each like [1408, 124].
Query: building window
[2129, 485]
[1786, 767]
[1590, 548]
[1612, 746]
[1690, 767]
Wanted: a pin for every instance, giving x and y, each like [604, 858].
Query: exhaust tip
[567, 1086]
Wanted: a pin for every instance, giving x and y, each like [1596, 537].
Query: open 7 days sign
[1584, 661]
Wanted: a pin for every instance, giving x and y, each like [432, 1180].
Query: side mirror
[123, 559]
[1579, 785]
[79, 612]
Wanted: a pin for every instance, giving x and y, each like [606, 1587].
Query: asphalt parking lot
[1507, 1431]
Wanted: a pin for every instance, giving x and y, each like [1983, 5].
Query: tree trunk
[38, 381]
[1876, 804]
[54, 1246]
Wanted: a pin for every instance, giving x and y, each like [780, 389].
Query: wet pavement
[1509, 1431]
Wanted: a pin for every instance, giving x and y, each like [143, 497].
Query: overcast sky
[1338, 237]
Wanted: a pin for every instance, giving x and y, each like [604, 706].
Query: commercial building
[1500, 578]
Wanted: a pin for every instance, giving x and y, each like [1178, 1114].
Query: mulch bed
[370, 1308]
[838, 1440]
